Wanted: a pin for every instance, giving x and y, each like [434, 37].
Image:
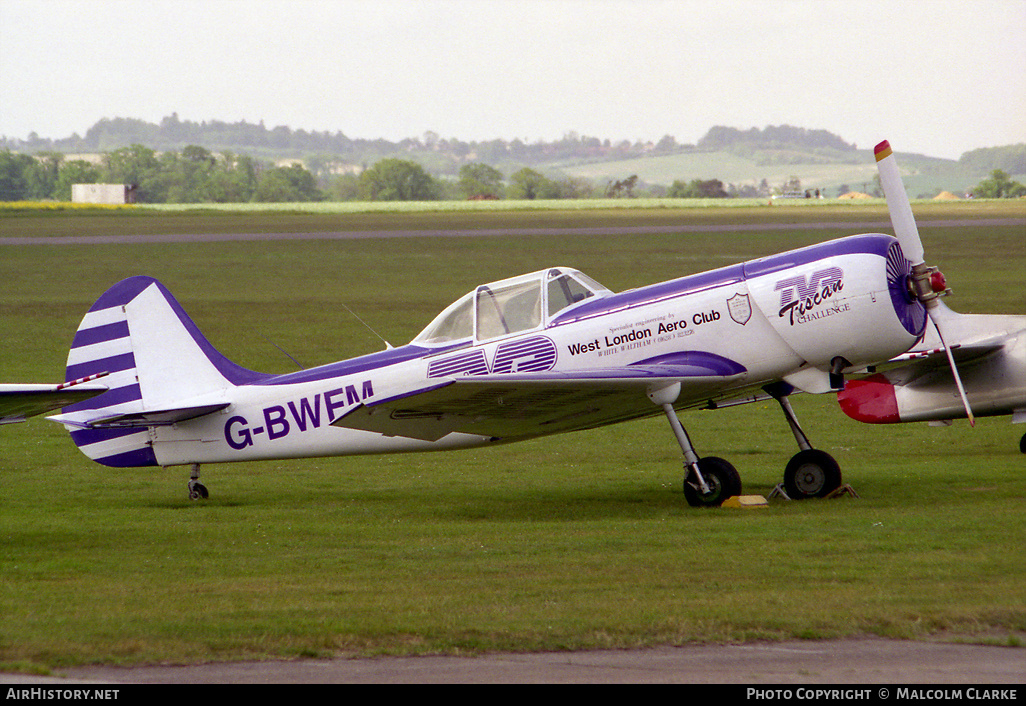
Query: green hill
[924, 176]
[776, 155]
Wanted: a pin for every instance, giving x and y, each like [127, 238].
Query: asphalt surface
[855, 661]
[854, 226]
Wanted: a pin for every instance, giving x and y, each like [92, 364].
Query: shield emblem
[740, 308]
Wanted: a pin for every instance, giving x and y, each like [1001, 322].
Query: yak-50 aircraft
[543, 353]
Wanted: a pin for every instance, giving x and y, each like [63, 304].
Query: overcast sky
[937, 77]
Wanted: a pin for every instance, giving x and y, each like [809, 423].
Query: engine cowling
[846, 300]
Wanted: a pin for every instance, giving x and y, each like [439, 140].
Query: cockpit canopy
[511, 306]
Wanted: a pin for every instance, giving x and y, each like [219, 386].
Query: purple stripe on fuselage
[697, 363]
[654, 293]
[872, 244]
[866, 244]
[362, 364]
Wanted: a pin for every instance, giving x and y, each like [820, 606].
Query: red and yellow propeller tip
[882, 150]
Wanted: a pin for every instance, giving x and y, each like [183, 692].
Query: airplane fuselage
[788, 318]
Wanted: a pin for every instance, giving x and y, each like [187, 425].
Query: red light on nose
[937, 282]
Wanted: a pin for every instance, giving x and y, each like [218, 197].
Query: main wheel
[722, 479]
[811, 474]
[1022, 444]
[197, 491]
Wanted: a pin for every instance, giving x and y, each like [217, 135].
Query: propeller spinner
[926, 283]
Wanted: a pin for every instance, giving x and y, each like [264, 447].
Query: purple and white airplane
[547, 352]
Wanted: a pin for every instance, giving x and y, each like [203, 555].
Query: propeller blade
[923, 284]
[954, 371]
[897, 203]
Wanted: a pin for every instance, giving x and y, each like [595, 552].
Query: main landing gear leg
[197, 490]
[810, 473]
[707, 481]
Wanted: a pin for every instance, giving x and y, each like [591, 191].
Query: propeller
[926, 283]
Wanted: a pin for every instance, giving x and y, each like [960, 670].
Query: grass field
[574, 541]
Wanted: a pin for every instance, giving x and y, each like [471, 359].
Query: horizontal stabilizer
[17, 402]
[147, 418]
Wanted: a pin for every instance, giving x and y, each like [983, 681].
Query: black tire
[721, 477]
[198, 491]
[811, 474]
[1022, 444]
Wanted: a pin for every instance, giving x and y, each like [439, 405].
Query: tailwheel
[197, 491]
[720, 477]
[811, 474]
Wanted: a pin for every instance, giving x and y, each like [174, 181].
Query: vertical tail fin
[161, 369]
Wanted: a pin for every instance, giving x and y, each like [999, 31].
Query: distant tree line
[194, 175]
[174, 134]
[772, 144]
[428, 169]
[404, 180]
[197, 175]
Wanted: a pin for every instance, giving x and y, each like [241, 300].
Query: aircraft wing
[924, 361]
[973, 337]
[18, 402]
[524, 405]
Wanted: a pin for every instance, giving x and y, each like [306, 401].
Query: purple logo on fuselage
[529, 355]
[799, 295]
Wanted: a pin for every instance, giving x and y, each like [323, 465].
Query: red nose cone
[937, 282]
[870, 400]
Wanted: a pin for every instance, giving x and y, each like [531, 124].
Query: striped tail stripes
[155, 358]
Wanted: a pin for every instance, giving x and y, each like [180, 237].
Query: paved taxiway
[853, 226]
[854, 661]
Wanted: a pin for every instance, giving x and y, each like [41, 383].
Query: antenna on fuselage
[289, 355]
[387, 344]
